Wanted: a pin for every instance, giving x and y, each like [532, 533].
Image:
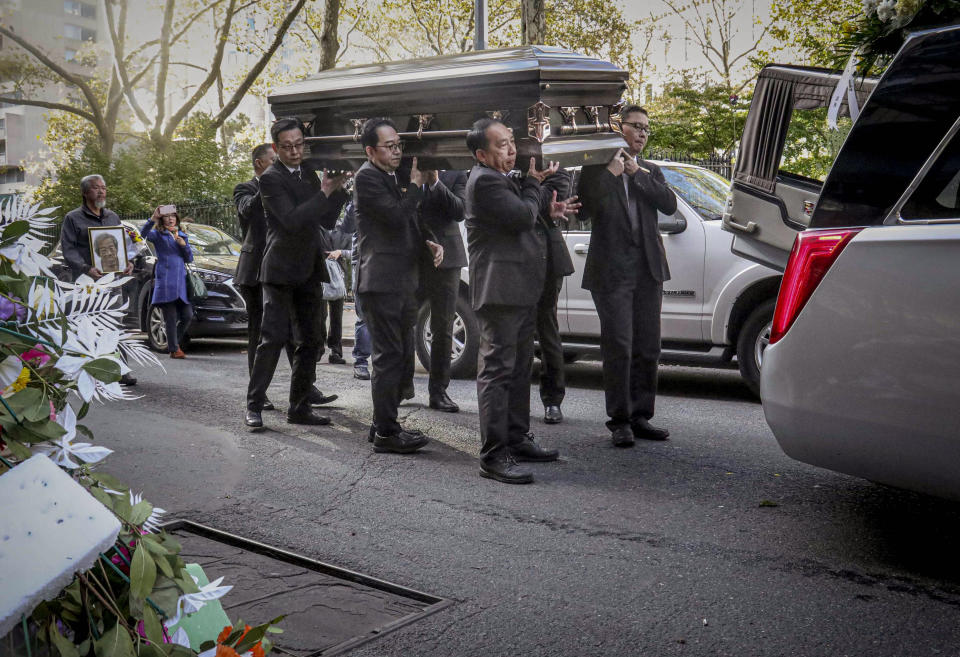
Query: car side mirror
[673, 224]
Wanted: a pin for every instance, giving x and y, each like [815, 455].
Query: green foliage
[695, 116]
[142, 175]
[812, 28]
[811, 146]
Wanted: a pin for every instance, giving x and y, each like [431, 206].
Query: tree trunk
[533, 20]
[329, 44]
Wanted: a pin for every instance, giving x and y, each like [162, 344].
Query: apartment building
[60, 28]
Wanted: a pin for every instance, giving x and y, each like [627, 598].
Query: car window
[207, 240]
[938, 195]
[703, 190]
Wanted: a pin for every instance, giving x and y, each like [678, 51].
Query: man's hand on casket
[330, 183]
[542, 175]
[560, 209]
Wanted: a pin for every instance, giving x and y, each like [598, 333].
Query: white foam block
[50, 528]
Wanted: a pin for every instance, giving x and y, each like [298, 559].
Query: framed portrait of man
[108, 248]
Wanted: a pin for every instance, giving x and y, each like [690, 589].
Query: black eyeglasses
[396, 146]
[640, 127]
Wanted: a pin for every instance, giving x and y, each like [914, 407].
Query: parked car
[222, 314]
[715, 307]
[860, 372]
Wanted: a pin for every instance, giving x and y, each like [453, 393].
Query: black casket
[557, 102]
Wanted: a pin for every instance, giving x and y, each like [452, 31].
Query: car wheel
[466, 339]
[156, 330]
[752, 341]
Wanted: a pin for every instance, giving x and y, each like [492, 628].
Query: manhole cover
[328, 609]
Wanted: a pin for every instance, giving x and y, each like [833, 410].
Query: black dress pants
[253, 297]
[503, 380]
[552, 378]
[391, 318]
[630, 347]
[287, 307]
[440, 287]
[334, 336]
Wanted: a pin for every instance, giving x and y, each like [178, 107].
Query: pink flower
[37, 354]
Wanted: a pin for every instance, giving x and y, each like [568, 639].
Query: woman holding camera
[169, 274]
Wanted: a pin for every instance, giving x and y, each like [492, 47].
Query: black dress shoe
[440, 401]
[128, 380]
[268, 405]
[253, 419]
[529, 451]
[552, 415]
[622, 437]
[506, 470]
[645, 431]
[407, 392]
[361, 372]
[373, 432]
[317, 398]
[336, 360]
[307, 417]
[402, 442]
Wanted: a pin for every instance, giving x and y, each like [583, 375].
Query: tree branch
[48, 105]
[165, 64]
[116, 30]
[257, 69]
[85, 89]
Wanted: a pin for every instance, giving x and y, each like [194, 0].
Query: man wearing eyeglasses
[296, 203]
[391, 239]
[625, 270]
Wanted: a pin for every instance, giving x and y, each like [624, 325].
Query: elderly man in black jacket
[625, 270]
[507, 244]
[297, 204]
[390, 240]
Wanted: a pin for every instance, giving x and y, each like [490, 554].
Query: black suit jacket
[442, 211]
[506, 241]
[559, 263]
[611, 260]
[390, 238]
[253, 231]
[296, 211]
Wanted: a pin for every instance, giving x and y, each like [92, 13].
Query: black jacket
[442, 211]
[390, 238]
[506, 241]
[611, 259]
[296, 210]
[253, 230]
[559, 262]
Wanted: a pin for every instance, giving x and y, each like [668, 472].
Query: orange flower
[226, 651]
[258, 651]
[225, 633]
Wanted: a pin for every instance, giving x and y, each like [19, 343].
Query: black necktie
[636, 229]
[296, 174]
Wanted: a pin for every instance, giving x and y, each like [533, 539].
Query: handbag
[337, 288]
[196, 288]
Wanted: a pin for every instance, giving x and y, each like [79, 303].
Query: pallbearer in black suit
[625, 270]
[297, 204]
[507, 244]
[253, 232]
[552, 378]
[391, 241]
[441, 211]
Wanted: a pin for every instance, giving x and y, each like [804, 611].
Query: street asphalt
[712, 543]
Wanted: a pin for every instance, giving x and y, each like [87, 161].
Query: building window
[79, 33]
[75, 8]
[3, 123]
[70, 54]
[12, 175]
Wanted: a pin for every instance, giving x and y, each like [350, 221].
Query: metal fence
[222, 215]
[719, 165]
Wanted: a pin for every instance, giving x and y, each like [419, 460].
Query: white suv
[716, 306]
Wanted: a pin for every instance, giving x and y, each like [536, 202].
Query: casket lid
[453, 74]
